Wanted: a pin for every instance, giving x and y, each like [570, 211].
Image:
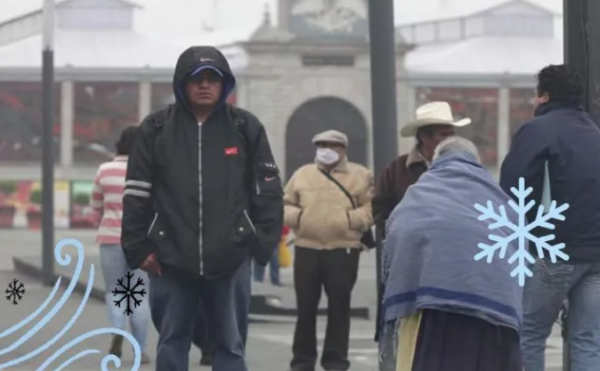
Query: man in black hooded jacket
[202, 197]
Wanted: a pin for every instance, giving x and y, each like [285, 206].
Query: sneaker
[145, 359]
[116, 346]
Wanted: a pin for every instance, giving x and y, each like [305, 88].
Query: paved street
[269, 344]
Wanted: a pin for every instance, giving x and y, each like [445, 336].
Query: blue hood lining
[228, 85]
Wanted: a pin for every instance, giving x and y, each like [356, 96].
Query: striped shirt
[107, 199]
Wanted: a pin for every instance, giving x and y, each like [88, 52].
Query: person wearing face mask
[328, 206]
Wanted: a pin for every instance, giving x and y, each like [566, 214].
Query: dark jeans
[175, 303]
[243, 291]
[201, 338]
[336, 271]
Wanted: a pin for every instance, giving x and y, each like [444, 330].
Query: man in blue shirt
[563, 136]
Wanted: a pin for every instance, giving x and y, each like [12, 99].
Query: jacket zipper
[152, 224]
[250, 221]
[198, 154]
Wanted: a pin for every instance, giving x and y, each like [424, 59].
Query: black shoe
[206, 360]
[116, 346]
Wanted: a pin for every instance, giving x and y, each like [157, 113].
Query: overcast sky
[170, 18]
[185, 17]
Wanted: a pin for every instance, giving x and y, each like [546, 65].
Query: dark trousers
[456, 342]
[201, 338]
[242, 294]
[335, 271]
[175, 303]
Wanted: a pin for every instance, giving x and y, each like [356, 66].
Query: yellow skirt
[408, 333]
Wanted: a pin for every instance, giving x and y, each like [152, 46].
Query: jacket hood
[192, 59]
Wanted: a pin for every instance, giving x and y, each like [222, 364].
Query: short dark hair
[562, 84]
[125, 143]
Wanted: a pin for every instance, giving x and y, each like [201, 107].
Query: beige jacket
[320, 214]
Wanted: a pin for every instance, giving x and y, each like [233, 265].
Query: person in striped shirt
[107, 198]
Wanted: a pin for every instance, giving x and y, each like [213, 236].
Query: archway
[315, 116]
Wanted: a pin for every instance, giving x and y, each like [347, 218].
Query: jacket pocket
[244, 232]
[163, 245]
[249, 221]
[268, 182]
[152, 224]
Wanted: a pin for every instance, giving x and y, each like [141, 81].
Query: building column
[405, 145]
[503, 129]
[67, 115]
[145, 100]
[582, 47]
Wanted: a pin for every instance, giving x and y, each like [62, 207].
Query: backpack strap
[240, 122]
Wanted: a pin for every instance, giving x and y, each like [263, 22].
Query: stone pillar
[582, 47]
[67, 113]
[145, 100]
[503, 129]
[404, 117]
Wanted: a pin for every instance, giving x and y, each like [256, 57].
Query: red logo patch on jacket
[231, 151]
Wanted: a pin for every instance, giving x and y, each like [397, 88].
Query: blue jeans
[243, 292]
[174, 304]
[243, 295]
[544, 295]
[114, 267]
[388, 346]
[259, 270]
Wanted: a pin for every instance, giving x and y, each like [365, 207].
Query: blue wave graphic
[65, 261]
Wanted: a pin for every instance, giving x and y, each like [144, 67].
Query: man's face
[438, 134]
[334, 146]
[204, 89]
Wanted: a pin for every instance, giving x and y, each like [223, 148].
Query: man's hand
[151, 265]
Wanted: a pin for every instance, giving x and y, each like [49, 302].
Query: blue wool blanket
[432, 238]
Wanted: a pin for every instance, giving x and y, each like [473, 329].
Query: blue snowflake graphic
[521, 232]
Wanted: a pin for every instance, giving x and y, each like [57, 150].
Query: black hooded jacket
[239, 211]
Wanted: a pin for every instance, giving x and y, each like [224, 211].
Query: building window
[481, 105]
[521, 107]
[21, 122]
[102, 111]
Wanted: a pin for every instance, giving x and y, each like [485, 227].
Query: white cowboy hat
[434, 113]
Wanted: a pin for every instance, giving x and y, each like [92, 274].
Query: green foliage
[8, 187]
[82, 199]
[35, 197]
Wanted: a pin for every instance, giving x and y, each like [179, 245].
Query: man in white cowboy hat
[433, 123]
[328, 205]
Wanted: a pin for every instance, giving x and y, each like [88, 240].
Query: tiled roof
[486, 55]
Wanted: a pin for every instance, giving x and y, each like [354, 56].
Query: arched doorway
[315, 116]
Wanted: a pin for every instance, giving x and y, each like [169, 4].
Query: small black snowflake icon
[15, 291]
[128, 292]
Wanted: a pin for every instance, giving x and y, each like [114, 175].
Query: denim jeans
[259, 270]
[544, 294]
[388, 346]
[114, 267]
[243, 295]
[174, 304]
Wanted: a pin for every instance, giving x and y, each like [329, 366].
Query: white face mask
[327, 156]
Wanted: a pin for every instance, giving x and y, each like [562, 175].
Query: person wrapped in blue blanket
[455, 313]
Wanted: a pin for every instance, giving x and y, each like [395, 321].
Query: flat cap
[331, 136]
